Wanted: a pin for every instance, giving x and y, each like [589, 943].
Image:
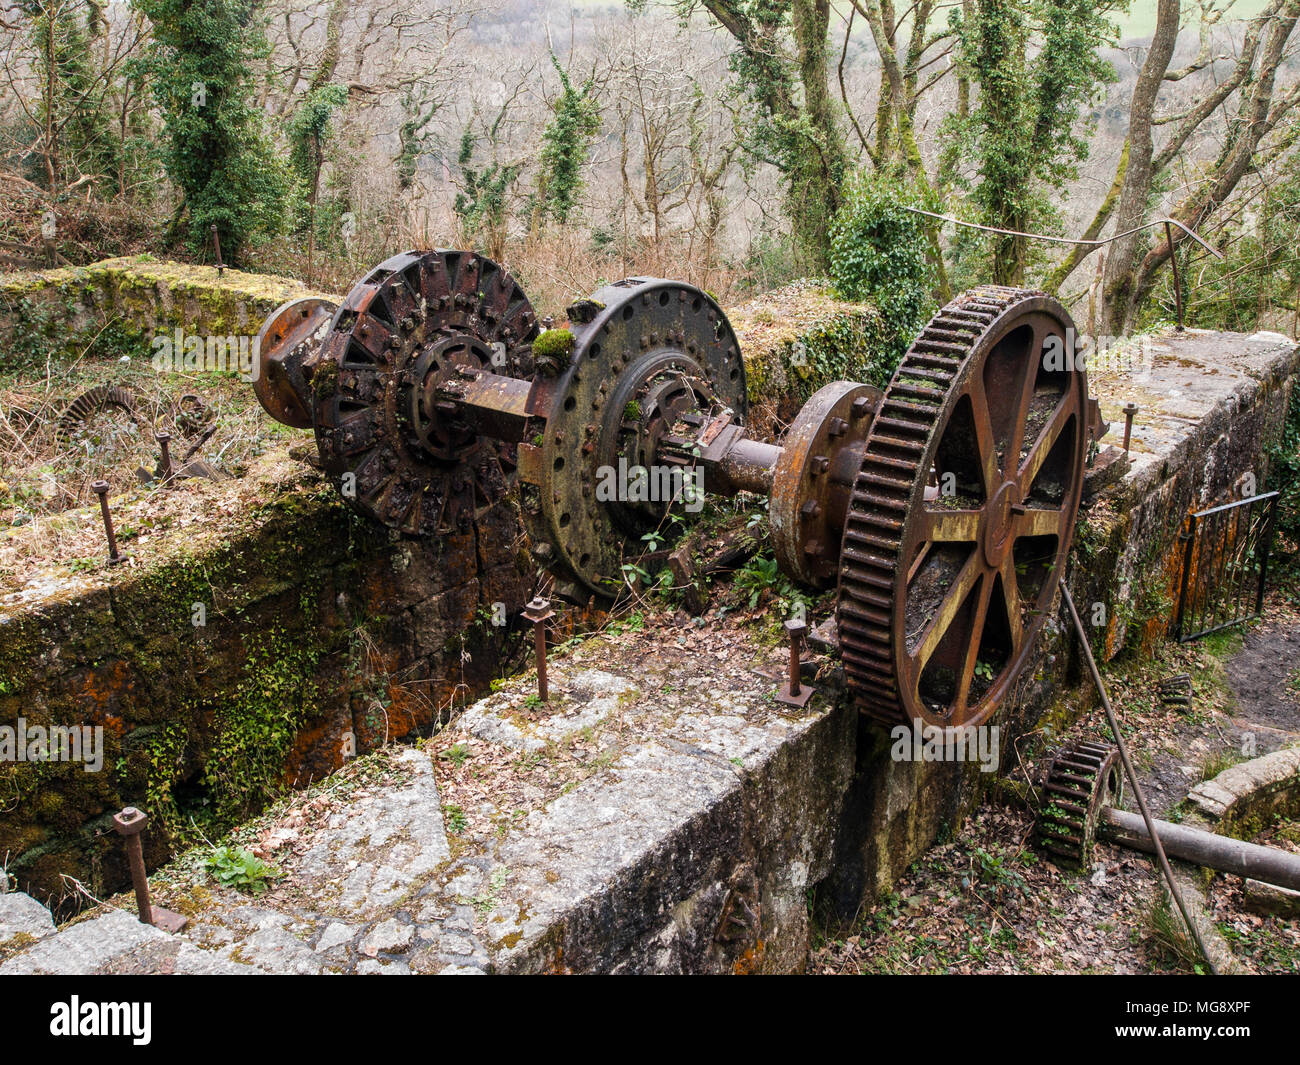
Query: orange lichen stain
[750, 962]
[105, 687]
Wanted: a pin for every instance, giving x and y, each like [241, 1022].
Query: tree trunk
[1119, 283]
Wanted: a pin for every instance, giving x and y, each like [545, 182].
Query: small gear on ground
[94, 401]
[1083, 777]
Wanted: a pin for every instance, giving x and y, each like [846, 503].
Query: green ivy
[201, 68]
[879, 256]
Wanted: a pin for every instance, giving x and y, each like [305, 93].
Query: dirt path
[987, 902]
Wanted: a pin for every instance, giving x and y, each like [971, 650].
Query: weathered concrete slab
[115, 943]
[21, 915]
[1192, 390]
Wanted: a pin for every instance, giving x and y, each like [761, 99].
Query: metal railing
[1225, 565]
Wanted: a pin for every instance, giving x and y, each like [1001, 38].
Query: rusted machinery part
[1083, 777]
[95, 401]
[192, 417]
[645, 351]
[294, 331]
[1273, 865]
[382, 389]
[820, 458]
[942, 592]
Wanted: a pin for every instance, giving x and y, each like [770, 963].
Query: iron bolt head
[130, 822]
[795, 628]
[861, 407]
[1130, 408]
[99, 487]
[538, 610]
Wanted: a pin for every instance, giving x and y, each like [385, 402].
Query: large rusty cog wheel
[1083, 777]
[645, 352]
[963, 511]
[405, 330]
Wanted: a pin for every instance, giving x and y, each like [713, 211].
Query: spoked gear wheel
[406, 334]
[1082, 778]
[962, 514]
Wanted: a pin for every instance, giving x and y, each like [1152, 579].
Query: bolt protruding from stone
[164, 440]
[539, 612]
[129, 824]
[795, 630]
[216, 247]
[1130, 409]
[100, 488]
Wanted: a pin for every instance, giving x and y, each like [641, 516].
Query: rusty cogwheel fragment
[1082, 778]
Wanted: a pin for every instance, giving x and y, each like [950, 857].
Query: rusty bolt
[1130, 409]
[164, 443]
[100, 488]
[795, 630]
[861, 407]
[539, 612]
[129, 824]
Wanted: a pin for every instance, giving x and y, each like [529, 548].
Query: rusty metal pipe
[1153, 833]
[748, 466]
[1269, 864]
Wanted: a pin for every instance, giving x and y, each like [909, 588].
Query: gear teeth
[1082, 777]
[91, 403]
[899, 438]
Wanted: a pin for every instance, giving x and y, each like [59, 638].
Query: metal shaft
[1269, 864]
[794, 662]
[1147, 819]
[135, 855]
[216, 247]
[539, 639]
[100, 488]
[1178, 284]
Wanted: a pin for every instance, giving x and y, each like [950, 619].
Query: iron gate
[1225, 562]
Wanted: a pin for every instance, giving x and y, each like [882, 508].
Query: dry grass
[47, 465]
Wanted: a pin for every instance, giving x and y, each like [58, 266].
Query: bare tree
[1244, 94]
